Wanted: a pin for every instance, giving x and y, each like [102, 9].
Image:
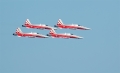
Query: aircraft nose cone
[80, 37]
[88, 28]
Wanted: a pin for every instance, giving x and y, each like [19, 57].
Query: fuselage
[38, 26]
[29, 35]
[72, 27]
[63, 36]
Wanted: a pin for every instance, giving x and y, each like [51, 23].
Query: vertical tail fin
[18, 30]
[52, 31]
[27, 22]
[59, 22]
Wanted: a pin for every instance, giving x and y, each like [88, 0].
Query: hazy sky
[98, 52]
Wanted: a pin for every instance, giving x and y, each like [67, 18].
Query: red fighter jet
[37, 26]
[53, 34]
[61, 25]
[19, 33]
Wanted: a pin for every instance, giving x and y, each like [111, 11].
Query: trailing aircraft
[19, 33]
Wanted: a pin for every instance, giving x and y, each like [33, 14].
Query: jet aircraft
[53, 34]
[61, 25]
[19, 33]
[37, 26]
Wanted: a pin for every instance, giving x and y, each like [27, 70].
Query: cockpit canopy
[76, 25]
[68, 33]
[34, 33]
[43, 25]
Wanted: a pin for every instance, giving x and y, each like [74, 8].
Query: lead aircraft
[19, 33]
[61, 25]
[53, 34]
[37, 26]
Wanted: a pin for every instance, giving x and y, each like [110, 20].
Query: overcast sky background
[98, 52]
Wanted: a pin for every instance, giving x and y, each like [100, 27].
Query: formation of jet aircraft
[52, 32]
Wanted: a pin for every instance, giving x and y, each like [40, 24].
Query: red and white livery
[61, 25]
[53, 34]
[19, 33]
[37, 26]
